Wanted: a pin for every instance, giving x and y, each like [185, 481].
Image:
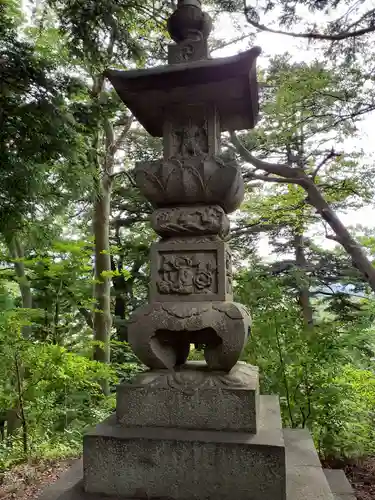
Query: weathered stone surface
[190, 272]
[187, 51]
[191, 178]
[305, 480]
[188, 22]
[229, 84]
[68, 487]
[186, 464]
[190, 220]
[339, 484]
[190, 132]
[193, 188]
[160, 334]
[192, 398]
[305, 476]
[301, 448]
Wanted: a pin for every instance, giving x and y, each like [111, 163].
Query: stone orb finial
[188, 21]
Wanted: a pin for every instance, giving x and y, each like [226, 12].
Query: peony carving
[188, 270]
[191, 180]
[185, 274]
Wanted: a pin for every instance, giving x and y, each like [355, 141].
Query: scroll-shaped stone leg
[160, 333]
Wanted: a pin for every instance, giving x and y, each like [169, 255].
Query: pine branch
[249, 14]
[283, 171]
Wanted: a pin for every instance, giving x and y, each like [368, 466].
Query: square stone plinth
[305, 478]
[188, 464]
[192, 398]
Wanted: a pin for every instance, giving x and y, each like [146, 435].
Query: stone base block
[188, 464]
[339, 484]
[305, 479]
[192, 398]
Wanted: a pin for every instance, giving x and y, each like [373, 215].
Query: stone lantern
[193, 430]
[189, 103]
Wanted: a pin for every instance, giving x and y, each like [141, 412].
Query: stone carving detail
[187, 51]
[194, 378]
[190, 140]
[161, 333]
[228, 266]
[185, 240]
[206, 219]
[187, 273]
[193, 271]
[188, 181]
[189, 22]
[193, 190]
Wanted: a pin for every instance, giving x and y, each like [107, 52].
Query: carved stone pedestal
[193, 434]
[193, 397]
[189, 434]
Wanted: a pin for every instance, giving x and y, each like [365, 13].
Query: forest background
[74, 230]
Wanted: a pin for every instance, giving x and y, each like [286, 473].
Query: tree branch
[123, 133]
[283, 170]
[330, 155]
[309, 35]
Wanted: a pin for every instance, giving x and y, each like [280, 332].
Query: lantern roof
[228, 83]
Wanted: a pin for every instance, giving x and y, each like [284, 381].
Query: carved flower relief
[184, 275]
[203, 279]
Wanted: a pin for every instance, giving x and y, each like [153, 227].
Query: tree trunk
[102, 318]
[342, 235]
[102, 289]
[22, 416]
[17, 253]
[308, 320]
[13, 418]
[303, 286]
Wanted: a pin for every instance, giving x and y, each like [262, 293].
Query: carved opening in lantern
[181, 341]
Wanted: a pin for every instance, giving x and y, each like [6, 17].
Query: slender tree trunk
[102, 291]
[13, 416]
[304, 301]
[22, 415]
[303, 286]
[17, 253]
[102, 318]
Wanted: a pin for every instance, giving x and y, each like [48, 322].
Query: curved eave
[229, 83]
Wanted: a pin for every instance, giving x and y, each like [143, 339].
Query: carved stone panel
[191, 272]
[187, 273]
[197, 220]
[190, 140]
[192, 131]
